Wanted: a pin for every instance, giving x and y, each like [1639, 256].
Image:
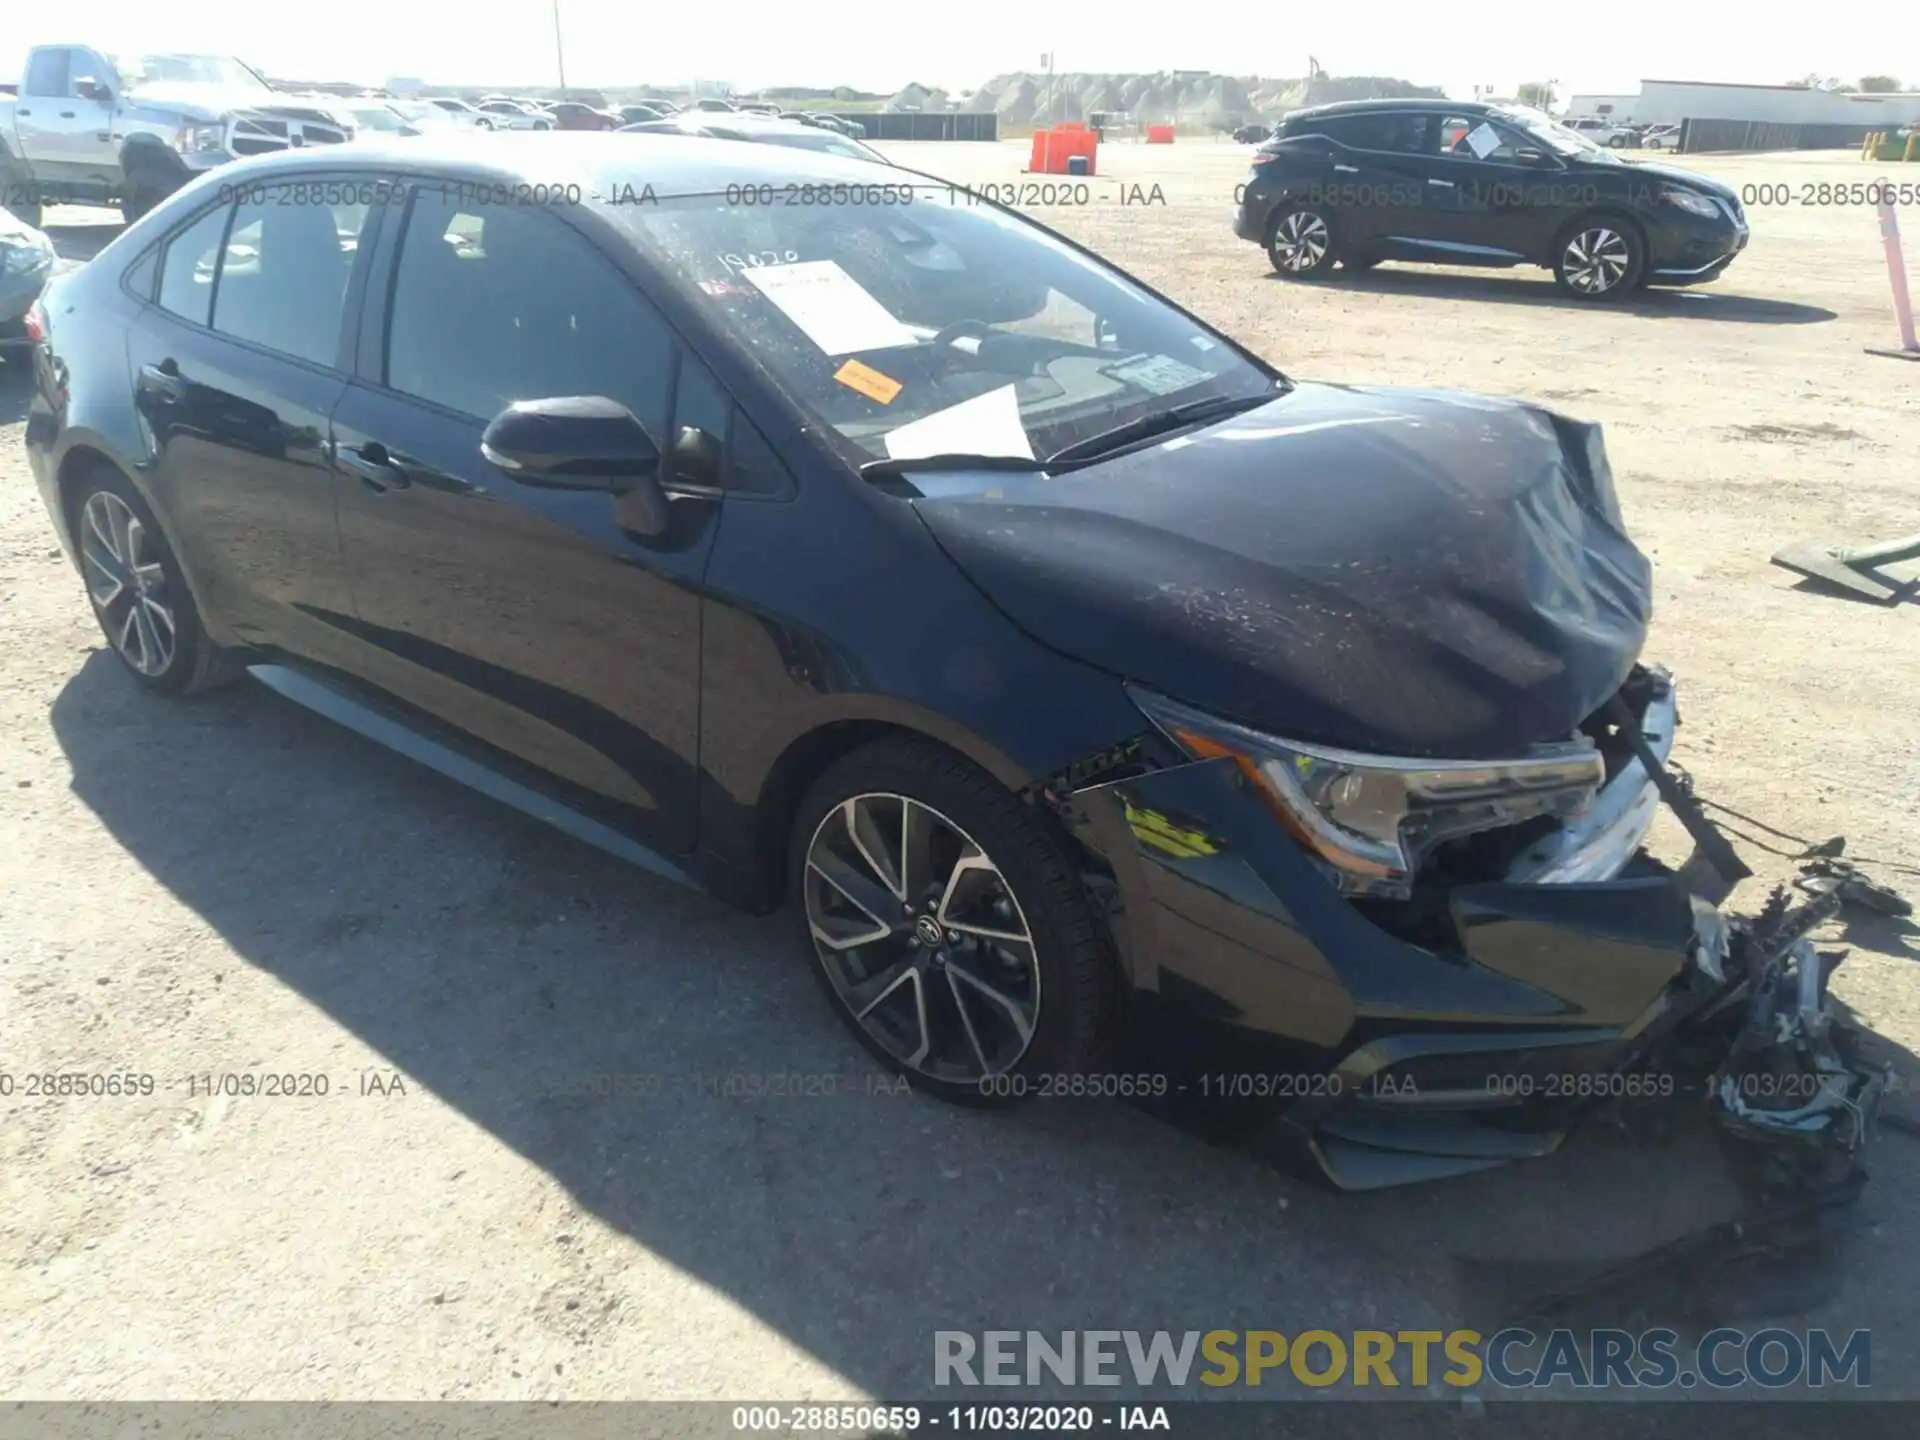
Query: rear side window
[1396, 132]
[498, 303]
[283, 283]
[48, 72]
[187, 272]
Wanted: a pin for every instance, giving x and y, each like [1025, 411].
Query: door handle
[163, 379]
[1443, 184]
[1346, 169]
[374, 466]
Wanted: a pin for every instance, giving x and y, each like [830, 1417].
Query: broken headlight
[1369, 819]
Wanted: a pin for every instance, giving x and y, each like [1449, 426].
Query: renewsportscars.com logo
[1513, 1359]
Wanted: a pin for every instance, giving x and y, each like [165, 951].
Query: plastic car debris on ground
[1795, 1104]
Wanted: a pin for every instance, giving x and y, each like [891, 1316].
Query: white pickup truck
[87, 128]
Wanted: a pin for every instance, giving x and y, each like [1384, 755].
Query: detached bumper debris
[1791, 1074]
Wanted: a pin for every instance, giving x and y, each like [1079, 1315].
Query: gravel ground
[233, 885]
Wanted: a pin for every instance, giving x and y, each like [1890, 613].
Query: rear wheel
[1598, 258]
[138, 594]
[1300, 242]
[951, 933]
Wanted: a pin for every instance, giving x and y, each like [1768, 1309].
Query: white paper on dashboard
[1483, 140]
[988, 424]
[830, 307]
[1157, 374]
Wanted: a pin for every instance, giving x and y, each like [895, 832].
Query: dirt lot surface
[237, 886]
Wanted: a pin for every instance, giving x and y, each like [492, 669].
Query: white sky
[874, 45]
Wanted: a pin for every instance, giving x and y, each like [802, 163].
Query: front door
[537, 620]
[1488, 207]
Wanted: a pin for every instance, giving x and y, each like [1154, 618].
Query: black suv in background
[1449, 183]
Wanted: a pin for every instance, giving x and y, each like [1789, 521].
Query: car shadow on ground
[499, 964]
[1511, 288]
[16, 383]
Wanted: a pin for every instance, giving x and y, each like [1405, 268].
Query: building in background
[1617, 108]
[1668, 102]
[406, 86]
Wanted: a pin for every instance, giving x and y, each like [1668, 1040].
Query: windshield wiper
[891, 469]
[1159, 423]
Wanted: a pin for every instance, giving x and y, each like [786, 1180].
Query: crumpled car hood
[1410, 572]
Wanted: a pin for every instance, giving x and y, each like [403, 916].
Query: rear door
[236, 367]
[1373, 176]
[536, 620]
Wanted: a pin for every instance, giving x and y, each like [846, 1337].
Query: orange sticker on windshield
[868, 381]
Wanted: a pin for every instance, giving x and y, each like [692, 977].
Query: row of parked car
[506, 112]
[1625, 137]
[87, 127]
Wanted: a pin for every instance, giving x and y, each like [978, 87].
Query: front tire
[137, 591]
[1599, 258]
[1300, 242]
[947, 927]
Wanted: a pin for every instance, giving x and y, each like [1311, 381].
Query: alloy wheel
[921, 938]
[127, 583]
[1596, 260]
[1300, 241]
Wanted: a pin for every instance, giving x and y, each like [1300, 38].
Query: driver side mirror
[89, 88]
[582, 442]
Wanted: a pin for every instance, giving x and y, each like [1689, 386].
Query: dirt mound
[1179, 97]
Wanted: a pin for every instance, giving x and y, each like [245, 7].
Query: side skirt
[324, 700]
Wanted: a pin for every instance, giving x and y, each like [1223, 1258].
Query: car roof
[1388, 107]
[602, 163]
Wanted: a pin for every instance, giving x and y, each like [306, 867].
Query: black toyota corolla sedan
[1121, 716]
[1444, 182]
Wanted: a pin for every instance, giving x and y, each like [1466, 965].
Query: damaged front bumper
[1588, 974]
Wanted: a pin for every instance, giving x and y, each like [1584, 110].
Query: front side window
[192, 261]
[498, 303]
[1477, 138]
[933, 325]
[283, 280]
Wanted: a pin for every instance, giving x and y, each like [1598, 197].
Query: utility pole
[1051, 117]
[559, 51]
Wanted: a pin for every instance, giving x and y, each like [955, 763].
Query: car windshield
[377, 117]
[934, 326]
[137, 71]
[421, 113]
[1555, 136]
